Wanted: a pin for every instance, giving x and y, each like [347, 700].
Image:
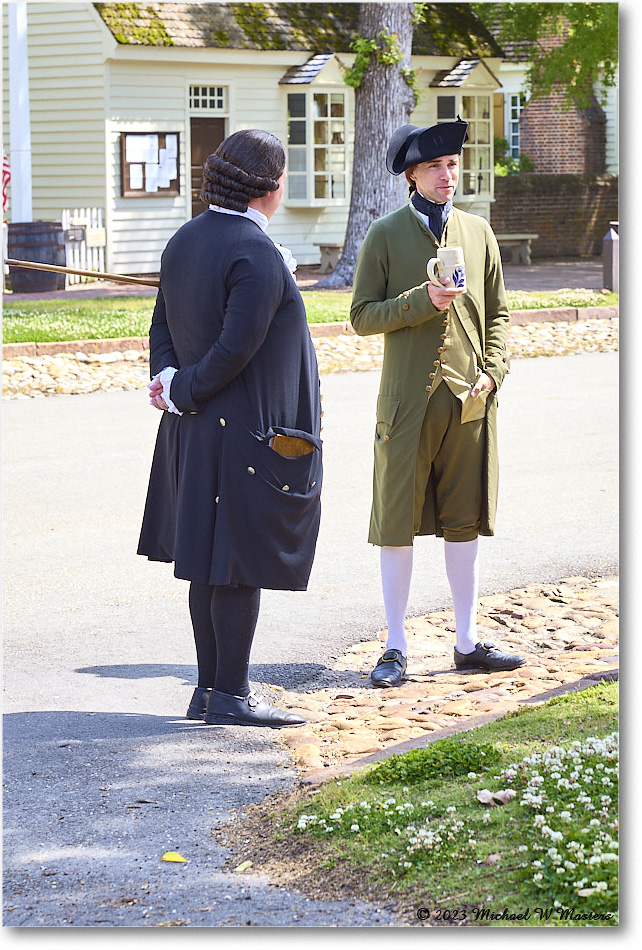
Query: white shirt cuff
[165, 377]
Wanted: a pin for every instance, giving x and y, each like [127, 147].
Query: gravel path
[126, 369]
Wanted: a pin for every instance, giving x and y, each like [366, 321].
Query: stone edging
[321, 776]
[518, 317]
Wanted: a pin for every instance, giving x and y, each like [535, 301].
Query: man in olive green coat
[436, 467]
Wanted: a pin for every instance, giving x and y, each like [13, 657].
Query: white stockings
[462, 570]
[396, 572]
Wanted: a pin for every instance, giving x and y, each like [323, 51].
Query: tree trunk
[383, 102]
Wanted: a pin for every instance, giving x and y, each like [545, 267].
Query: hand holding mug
[448, 270]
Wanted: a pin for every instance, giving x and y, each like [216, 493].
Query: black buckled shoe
[224, 709]
[390, 669]
[488, 657]
[198, 703]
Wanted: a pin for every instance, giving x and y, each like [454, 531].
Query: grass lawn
[103, 318]
[414, 831]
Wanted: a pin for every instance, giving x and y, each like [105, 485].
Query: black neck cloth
[437, 214]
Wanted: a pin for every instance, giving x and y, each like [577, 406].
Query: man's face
[436, 179]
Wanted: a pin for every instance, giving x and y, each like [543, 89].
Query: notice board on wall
[149, 164]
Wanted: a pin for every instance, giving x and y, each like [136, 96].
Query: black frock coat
[222, 504]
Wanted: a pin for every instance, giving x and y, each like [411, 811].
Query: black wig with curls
[246, 165]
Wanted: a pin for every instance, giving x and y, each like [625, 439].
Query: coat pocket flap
[387, 409]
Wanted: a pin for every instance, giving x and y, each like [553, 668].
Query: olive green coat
[390, 296]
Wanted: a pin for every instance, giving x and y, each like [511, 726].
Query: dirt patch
[312, 866]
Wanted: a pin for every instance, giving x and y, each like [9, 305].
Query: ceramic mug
[448, 263]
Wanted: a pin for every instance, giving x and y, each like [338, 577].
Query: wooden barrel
[41, 242]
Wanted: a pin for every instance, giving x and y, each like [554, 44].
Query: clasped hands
[156, 394]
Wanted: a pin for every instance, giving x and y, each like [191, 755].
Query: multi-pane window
[476, 156]
[210, 98]
[477, 152]
[516, 104]
[316, 146]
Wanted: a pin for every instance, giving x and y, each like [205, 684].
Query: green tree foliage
[584, 48]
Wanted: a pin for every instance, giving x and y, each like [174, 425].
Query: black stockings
[224, 620]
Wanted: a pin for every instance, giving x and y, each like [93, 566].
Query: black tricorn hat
[410, 145]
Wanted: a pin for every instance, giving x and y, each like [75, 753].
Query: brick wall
[563, 140]
[571, 213]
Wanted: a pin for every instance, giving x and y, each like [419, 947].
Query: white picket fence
[85, 240]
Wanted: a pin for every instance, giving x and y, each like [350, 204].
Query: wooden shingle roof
[449, 29]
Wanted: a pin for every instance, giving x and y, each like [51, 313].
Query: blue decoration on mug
[459, 277]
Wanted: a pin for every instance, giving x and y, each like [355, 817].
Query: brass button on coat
[286, 488]
[431, 375]
[406, 306]
[251, 470]
[435, 363]
[440, 349]
[222, 421]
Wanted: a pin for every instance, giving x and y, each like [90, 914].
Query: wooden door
[207, 133]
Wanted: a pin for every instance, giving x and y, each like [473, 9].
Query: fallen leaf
[243, 866]
[493, 859]
[485, 797]
[275, 687]
[175, 857]
[505, 796]
[586, 892]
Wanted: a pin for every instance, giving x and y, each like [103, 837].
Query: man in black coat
[234, 492]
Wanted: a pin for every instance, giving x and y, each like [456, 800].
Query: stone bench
[519, 246]
[330, 254]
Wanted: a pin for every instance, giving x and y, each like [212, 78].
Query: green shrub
[442, 759]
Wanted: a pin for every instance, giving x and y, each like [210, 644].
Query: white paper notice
[151, 176]
[135, 177]
[141, 148]
[171, 146]
[167, 169]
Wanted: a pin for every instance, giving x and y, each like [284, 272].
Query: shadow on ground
[285, 675]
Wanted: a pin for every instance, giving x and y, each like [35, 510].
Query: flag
[6, 178]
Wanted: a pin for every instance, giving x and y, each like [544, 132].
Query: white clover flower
[537, 864]
[451, 810]
[354, 827]
[565, 815]
[537, 877]
[522, 847]
[486, 817]
[599, 885]
[472, 775]
[560, 871]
